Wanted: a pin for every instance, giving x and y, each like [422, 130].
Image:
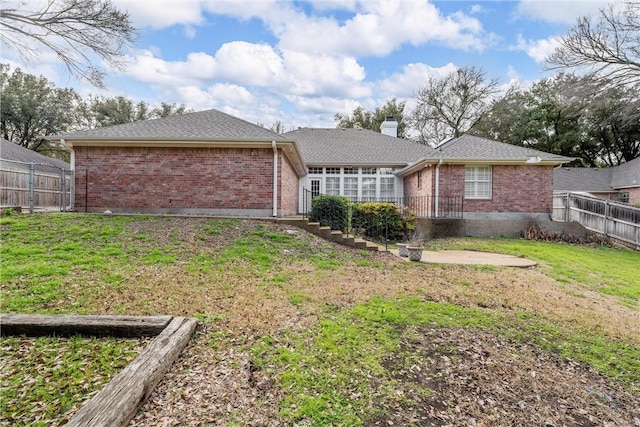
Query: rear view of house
[209, 162]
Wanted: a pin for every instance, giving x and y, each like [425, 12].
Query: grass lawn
[299, 330]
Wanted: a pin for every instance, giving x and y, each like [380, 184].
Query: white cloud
[562, 12]
[380, 28]
[257, 65]
[538, 50]
[159, 14]
[249, 63]
[405, 83]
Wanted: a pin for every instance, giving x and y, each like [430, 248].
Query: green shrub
[330, 210]
[380, 220]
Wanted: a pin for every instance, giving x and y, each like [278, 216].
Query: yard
[299, 331]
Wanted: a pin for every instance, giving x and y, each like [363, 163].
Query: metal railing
[383, 226]
[34, 186]
[420, 206]
[615, 220]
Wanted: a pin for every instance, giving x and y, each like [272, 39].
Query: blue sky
[300, 62]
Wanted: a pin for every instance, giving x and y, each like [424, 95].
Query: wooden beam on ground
[36, 325]
[118, 402]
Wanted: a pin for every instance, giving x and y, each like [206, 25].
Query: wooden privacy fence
[615, 220]
[34, 186]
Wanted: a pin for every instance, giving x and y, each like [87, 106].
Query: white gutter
[72, 187]
[438, 187]
[275, 178]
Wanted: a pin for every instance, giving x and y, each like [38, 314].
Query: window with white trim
[332, 185]
[477, 182]
[624, 197]
[369, 171]
[316, 171]
[351, 188]
[333, 171]
[387, 189]
[368, 188]
[350, 171]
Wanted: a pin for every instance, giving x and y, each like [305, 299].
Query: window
[368, 189]
[315, 171]
[419, 179]
[386, 171]
[332, 185]
[623, 197]
[315, 188]
[350, 171]
[477, 182]
[351, 188]
[369, 171]
[333, 171]
[387, 188]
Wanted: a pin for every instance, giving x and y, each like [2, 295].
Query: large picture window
[477, 182]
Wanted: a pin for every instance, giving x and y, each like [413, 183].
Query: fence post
[606, 218]
[566, 208]
[31, 183]
[63, 190]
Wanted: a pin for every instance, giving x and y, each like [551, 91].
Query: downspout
[437, 187]
[72, 186]
[275, 178]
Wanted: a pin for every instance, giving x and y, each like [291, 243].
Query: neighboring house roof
[598, 180]
[18, 153]
[202, 125]
[356, 147]
[595, 180]
[627, 174]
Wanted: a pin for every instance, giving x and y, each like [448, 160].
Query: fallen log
[35, 325]
[118, 402]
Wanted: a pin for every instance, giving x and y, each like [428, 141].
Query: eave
[289, 148]
[523, 161]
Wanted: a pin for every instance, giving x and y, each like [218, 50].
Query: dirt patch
[479, 379]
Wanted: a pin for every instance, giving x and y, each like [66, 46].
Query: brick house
[619, 183]
[211, 162]
[202, 162]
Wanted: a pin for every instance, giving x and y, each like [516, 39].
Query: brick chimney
[389, 127]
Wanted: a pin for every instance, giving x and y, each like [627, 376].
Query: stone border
[119, 401]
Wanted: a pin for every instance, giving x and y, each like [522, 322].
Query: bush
[383, 220]
[330, 210]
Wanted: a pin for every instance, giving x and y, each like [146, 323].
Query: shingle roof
[598, 179]
[474, 147]
[356, 146]
[15, 152]
[202, 125]
[582, 179]
[626, 174]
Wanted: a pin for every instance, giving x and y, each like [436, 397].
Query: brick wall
[288, 186]
[523, 189]
[634, 194]
[173, 178]
[411, 188]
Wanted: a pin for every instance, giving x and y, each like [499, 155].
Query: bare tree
[608, 47]
[75, 30]
[452, 105]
